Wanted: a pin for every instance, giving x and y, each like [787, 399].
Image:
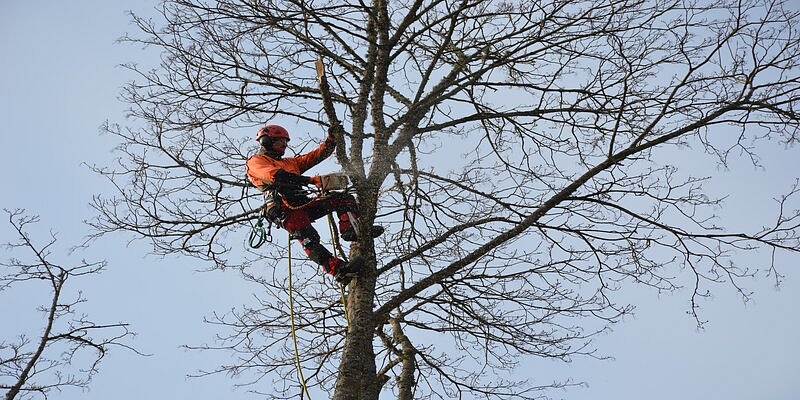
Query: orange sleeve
[261, 170]
[314, 157]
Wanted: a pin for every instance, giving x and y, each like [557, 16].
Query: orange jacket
[261, 168]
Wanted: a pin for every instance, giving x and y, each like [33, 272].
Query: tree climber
[288, 205]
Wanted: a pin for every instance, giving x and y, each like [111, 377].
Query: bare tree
[522, 155]
[70, 346]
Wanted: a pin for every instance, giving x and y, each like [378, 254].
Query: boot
[349, 233]
[343, 271]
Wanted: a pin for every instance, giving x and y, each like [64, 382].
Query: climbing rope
[258, 236]
[337, 249]
[294, 330]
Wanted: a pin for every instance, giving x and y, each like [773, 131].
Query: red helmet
[273, 131]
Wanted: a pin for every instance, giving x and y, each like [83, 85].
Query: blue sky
[59, 81]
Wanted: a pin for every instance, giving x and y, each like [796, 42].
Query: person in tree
[288, 204]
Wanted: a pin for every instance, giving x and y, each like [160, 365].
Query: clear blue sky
[58, 83]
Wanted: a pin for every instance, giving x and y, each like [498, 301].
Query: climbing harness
[260, 235]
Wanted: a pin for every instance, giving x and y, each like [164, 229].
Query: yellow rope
[336, 248]
[294, 332]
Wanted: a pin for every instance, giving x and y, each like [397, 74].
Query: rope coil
[259, 235]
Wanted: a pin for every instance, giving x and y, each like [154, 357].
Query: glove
[316, 180]
[331, 139]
